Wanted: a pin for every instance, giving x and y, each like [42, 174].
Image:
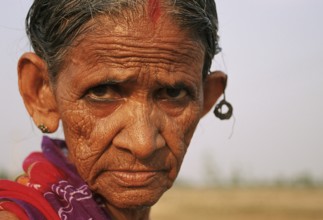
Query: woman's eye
[103, 93]
[173, 94]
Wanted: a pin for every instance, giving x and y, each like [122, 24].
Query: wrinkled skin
[129, 109]
[129, 96]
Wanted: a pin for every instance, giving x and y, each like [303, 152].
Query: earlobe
[214, 86]
[35, 89]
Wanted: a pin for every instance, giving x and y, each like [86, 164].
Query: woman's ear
[35, 89]
[213, 88]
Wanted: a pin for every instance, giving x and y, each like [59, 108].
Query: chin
[134, 198]
[127, 192]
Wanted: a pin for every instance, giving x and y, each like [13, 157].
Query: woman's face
[130, 97]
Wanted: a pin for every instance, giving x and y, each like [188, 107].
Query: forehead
[135, 44]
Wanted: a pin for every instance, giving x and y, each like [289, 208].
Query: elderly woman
[129, 80]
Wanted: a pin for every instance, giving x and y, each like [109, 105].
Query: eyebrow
[192, 89]
[178, 84]
[115, 80]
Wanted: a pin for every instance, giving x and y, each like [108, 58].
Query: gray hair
[52, 25]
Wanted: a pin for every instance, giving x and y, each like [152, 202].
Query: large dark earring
[218, 111]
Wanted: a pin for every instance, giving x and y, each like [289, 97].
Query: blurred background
[273, 55]
[272, 51]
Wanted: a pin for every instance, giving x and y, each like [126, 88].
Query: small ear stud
[43, 128]
[223, 115]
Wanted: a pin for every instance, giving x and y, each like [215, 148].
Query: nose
[141, 135]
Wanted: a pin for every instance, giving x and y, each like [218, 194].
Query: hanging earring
[218, 111]
[43, 128]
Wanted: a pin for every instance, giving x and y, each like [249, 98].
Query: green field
[240, 204]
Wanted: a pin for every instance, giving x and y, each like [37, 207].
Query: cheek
[79, 126]
[78, 131]
[178, 136]
[189, 121]
[88, 137]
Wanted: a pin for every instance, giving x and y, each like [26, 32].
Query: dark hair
[53, 25]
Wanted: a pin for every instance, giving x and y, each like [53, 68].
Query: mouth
[135, 179]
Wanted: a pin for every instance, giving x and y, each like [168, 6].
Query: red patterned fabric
[50, 189]
[16, 191]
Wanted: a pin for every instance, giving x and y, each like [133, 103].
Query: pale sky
[273, 55]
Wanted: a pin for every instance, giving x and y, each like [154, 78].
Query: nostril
[124, 150]
[160, 141]
[141, 138]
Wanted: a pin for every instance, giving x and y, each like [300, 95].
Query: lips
[136, 178]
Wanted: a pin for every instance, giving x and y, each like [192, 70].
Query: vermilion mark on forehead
[154, 10]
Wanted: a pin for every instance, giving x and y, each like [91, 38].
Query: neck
[128, 214]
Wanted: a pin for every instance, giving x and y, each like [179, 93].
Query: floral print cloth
[50, 188]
